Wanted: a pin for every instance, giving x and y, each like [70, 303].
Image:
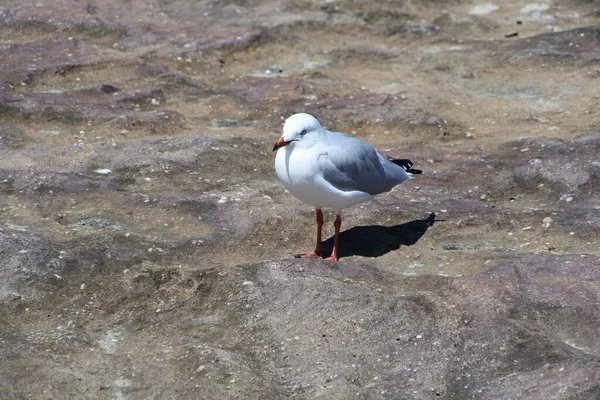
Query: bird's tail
[407, 166]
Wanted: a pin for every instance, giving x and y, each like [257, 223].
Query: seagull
[332, 170]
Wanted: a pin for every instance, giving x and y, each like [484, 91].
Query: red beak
[280, 143]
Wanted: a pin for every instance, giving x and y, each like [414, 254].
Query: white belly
[300, 172]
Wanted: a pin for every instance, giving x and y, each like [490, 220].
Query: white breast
[299, 171]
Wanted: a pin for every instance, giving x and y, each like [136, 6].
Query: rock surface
[145, 241]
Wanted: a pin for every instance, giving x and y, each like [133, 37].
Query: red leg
[318, 253]
[334, 253]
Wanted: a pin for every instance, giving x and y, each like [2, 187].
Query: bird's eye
[303, 132]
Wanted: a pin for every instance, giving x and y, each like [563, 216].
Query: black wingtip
[407, 165]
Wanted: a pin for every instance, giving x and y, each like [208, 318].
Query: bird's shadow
[376, 240]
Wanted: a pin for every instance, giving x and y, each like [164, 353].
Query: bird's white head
[300, 130]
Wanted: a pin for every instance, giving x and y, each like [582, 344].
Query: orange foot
[332, 258]
[312, 254]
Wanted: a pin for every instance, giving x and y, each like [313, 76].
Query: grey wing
[350, 164]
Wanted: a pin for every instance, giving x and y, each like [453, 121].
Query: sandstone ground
[145, 241]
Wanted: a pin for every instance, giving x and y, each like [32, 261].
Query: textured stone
[142, 226]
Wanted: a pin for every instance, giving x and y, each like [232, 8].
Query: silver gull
[332, 170]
